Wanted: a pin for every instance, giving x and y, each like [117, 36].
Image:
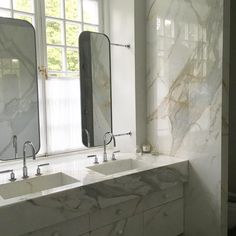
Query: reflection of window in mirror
[58, 25]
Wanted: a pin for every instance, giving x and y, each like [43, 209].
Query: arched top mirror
[19, 116]
[95, 77]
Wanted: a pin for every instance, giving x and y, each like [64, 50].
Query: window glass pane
[5, 3]
[72, 34]
[73, 13]
[72, 60]
[4, 13]
[90, 11]
[55, 61]
[23, 5]
[24, 17]
[91, 28]
[54, 8]
[54, 32]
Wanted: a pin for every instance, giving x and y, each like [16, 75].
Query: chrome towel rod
[121, 45]
[123, 134]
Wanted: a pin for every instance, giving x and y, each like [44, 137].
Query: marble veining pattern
[101, 80]
[184, 87]
[104, 198]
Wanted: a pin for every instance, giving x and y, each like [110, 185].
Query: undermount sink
[35, 184]
[118, 166]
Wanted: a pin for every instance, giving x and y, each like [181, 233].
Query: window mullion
[82, 14]
[100, 16]
[42, 32]
[12, 15]
[64, 35]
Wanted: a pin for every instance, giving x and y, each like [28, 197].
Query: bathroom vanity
[134, 195]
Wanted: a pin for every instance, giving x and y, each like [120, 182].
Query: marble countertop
[93, 195]
[75, 165]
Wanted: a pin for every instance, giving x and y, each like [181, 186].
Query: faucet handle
[95, 159]
[113, 155]
[12, 176]
[38, 172]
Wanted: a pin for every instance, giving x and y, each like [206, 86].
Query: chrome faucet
[105, 143]
[14, 143]
[25, 171]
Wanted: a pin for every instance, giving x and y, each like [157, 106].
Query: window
[64, 22]
[58, 24]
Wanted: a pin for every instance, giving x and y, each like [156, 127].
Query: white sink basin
[118, 166]
[35, 184]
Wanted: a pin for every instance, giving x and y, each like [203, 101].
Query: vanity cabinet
[157, 214]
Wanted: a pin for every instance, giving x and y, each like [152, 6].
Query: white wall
[126, 26]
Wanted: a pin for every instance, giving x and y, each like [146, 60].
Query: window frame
[64, 47]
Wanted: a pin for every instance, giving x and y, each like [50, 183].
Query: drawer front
[166, 220]
[112, 214]
[132, 226]
[74, 227]
[161, 197]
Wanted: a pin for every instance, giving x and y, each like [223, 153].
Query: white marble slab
[184, 101]
[93, 195]
[75, 166]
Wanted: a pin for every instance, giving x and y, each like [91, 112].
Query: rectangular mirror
[19, 115]
[95, 77]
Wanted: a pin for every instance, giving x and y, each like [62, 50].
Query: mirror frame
[85, 88]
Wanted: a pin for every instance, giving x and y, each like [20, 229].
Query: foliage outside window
[65, 20]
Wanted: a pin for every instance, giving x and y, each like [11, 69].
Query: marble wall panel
[184, 99]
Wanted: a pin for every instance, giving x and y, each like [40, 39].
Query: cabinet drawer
[166, 220]
[74, 227]
[111, 214]
[160, 197]
[132, 226]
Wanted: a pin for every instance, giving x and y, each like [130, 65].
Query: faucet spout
[25, 170]
[105, 143]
